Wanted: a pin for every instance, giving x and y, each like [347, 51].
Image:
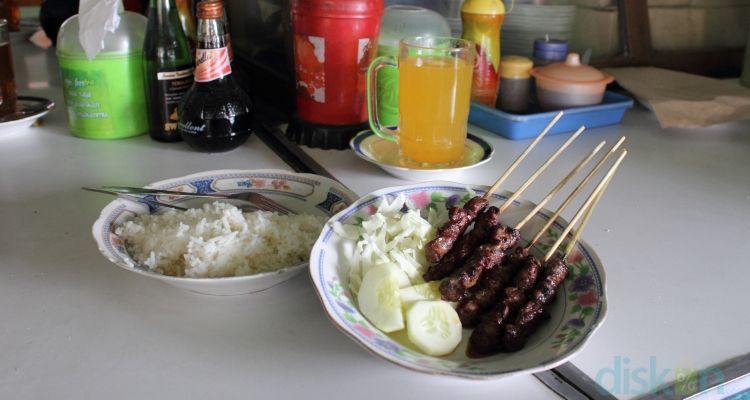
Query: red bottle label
[211, 64]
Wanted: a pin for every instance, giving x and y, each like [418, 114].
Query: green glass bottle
[168, 68]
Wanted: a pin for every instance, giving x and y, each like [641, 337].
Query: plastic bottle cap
[546, 44]
[515, 67]
[488, 7]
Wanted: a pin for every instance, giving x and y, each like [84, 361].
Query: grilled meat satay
[485, 221]
[459, 218]
[482, 259]
[490, 288]
[528, 318]
[508, 325]
[487, 336]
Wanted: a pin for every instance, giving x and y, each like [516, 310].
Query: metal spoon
[134, 197]
[258, 200]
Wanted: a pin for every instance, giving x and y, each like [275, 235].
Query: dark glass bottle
[168, 68]
[225, 20]
[216, 114]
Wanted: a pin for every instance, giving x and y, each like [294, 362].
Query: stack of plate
[527, 22]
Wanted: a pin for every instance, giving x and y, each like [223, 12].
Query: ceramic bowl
[30, 109]
[300, 193]
[569, 84]
[383, 153]
[579, 310]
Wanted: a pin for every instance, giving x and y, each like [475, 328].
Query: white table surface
[75, 326]
[672, 230]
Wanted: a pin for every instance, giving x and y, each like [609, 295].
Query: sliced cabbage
[391, 236]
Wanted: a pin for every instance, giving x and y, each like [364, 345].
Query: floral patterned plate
[301, 193]
[579, 310]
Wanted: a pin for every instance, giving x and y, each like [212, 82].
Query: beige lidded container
[569, 84]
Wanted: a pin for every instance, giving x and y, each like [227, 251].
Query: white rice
[219, 240]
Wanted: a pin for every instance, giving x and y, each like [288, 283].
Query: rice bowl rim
[349, 198]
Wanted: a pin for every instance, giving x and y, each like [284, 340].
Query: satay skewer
[585, 206]
[521, 156]
[485, 222]
[492, 248]
[516, 334]
[498, 276]
[560, 185]
[535, 287]
[541, 169]
[459, 218]
[590, 210]
[575, 192]
[483, 228]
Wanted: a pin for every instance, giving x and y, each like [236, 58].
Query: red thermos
[334, 43]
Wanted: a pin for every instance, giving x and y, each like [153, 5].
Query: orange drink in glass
[434, 94]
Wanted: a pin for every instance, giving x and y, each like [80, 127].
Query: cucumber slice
[434, 327]
[423, 291]
[379, 300]
[401, 277]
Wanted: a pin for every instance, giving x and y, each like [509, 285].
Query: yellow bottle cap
[515, 67]
[490, 7]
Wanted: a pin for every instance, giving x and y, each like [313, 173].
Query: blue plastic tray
[524, 126]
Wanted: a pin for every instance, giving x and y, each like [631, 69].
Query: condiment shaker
[515, 84]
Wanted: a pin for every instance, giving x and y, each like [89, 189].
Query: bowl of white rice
[221, 247]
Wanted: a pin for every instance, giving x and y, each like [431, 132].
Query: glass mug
[434, 93]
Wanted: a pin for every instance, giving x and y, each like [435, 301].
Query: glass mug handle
[372, 97]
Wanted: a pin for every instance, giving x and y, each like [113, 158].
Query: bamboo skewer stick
[577, 234]
[523, 155]
[575, 192]
[541, 169]
[560, 185]
[589, 201]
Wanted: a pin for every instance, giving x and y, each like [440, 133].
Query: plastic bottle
[104, 95]
[482, 21]
[168, 69]
[334, 43]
